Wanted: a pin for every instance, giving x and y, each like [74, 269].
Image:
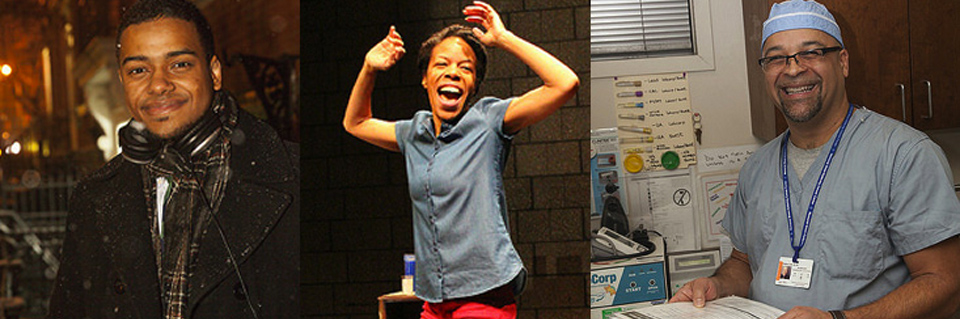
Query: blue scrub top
[888, 193]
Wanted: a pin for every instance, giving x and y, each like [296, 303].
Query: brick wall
[356, 220]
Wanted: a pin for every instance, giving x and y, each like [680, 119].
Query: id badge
[794, 274]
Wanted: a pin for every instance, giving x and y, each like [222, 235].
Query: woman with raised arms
[455, 153]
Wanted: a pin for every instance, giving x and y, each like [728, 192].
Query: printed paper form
[732, 307]
[653, 117]
[666, 205]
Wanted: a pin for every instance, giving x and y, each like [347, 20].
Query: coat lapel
[251, 205]
[247, 215]
[122, 218]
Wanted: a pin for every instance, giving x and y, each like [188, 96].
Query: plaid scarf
[186, 210]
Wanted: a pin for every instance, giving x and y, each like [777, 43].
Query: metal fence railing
[33, 216]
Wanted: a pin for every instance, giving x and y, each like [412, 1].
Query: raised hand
[484, 14]
[386, 53]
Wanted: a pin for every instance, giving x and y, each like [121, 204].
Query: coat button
[119, 287]
[238, 292]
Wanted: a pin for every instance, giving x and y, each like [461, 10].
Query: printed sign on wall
[654, 122]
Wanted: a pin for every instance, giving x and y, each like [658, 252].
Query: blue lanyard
[816, 190]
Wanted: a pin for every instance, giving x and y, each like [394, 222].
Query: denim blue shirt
[461, 236]
[887, 193]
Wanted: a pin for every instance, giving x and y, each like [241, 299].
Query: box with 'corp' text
[622, 284]
[625, 284]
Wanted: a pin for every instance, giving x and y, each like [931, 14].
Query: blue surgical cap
[800, 14]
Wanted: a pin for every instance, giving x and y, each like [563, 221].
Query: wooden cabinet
[934, 49]
[902, 60]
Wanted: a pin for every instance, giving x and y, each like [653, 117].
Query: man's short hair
[463, 32]
[150, 10]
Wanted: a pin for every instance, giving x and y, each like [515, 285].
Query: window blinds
[626, 29]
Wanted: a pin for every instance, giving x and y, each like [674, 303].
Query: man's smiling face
[166, 78]
[802, 90]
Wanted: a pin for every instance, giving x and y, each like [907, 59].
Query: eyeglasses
[778, 62]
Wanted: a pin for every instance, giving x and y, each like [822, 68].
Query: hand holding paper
[698, 291]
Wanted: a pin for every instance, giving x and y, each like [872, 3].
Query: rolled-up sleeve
[923, 209]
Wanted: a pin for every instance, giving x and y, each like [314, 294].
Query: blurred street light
[6, 70]
[14, 148]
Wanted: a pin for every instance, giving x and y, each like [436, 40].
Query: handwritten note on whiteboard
[726, 158]
[654, 117]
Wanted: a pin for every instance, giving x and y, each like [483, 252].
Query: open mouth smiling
[450, 95]
[800, 89]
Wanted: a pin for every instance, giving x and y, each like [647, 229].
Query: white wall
[719, 95]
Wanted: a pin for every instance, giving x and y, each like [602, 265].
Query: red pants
[495, 304]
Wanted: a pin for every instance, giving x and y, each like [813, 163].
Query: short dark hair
[463, 32]
[150, 10]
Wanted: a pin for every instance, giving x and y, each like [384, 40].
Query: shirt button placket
[433, 214]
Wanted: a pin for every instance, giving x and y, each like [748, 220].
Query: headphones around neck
[140, 146]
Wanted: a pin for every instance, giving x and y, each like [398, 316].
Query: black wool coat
[108, 269]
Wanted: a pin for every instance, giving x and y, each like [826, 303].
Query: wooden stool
[398, 305]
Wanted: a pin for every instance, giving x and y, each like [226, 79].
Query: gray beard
[795, 116]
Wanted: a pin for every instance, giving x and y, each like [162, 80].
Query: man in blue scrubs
[857, 207]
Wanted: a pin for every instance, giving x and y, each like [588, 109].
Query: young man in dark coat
[199, 217]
